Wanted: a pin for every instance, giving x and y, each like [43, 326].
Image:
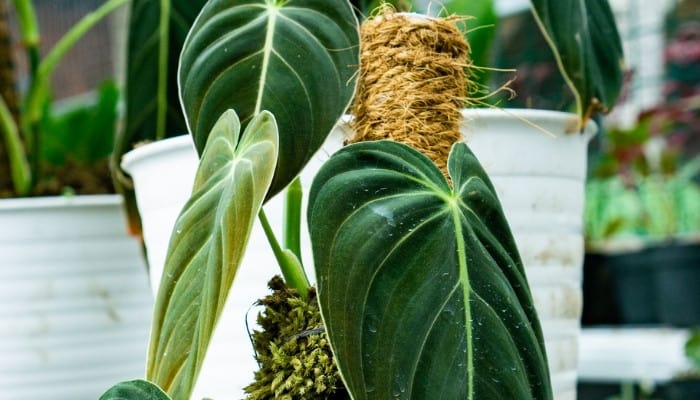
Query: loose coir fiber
[412, 83]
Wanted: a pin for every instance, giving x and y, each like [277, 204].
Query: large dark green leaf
[584, 38]
[207, 246]
[294, 58]
[421, 287]
[135, 390]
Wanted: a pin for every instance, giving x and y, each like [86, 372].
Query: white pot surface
[75, 308]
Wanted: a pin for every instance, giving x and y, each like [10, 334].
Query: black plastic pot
[657, 285]
[600, 304]
[678, 284]
[635, 287]
[685, 389]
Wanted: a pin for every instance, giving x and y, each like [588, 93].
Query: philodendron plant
[420, 285]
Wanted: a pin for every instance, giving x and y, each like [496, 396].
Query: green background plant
[84, 131]
[655, 208]
[135, 390]
[24, 138]
[641, 186]
[692, 348]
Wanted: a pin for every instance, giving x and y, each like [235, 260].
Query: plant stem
[21, 174]
[289, 264]
[292, 218]
[29, 29]
[162, 93]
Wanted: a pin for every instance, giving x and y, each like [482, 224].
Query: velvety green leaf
[135, 390]
[586, 43]
[84, 131]
[421, 287]
[692, 348]
[207, 246]
[294, 58]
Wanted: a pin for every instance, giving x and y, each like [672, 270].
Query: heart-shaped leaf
[207, 246]
[421, 287]
[135, 390]
[294, 58]
[585, 41]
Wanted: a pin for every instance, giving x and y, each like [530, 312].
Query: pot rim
[61, 201]
[147, 150]
[524, 115]
[535, 116]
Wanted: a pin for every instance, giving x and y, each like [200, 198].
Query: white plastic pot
[75, 307]
[538, 170]
[538, 166]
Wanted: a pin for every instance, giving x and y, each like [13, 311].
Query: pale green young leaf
[207, 246]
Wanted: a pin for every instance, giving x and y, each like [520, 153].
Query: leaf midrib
[454, 206]
[267, 53]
